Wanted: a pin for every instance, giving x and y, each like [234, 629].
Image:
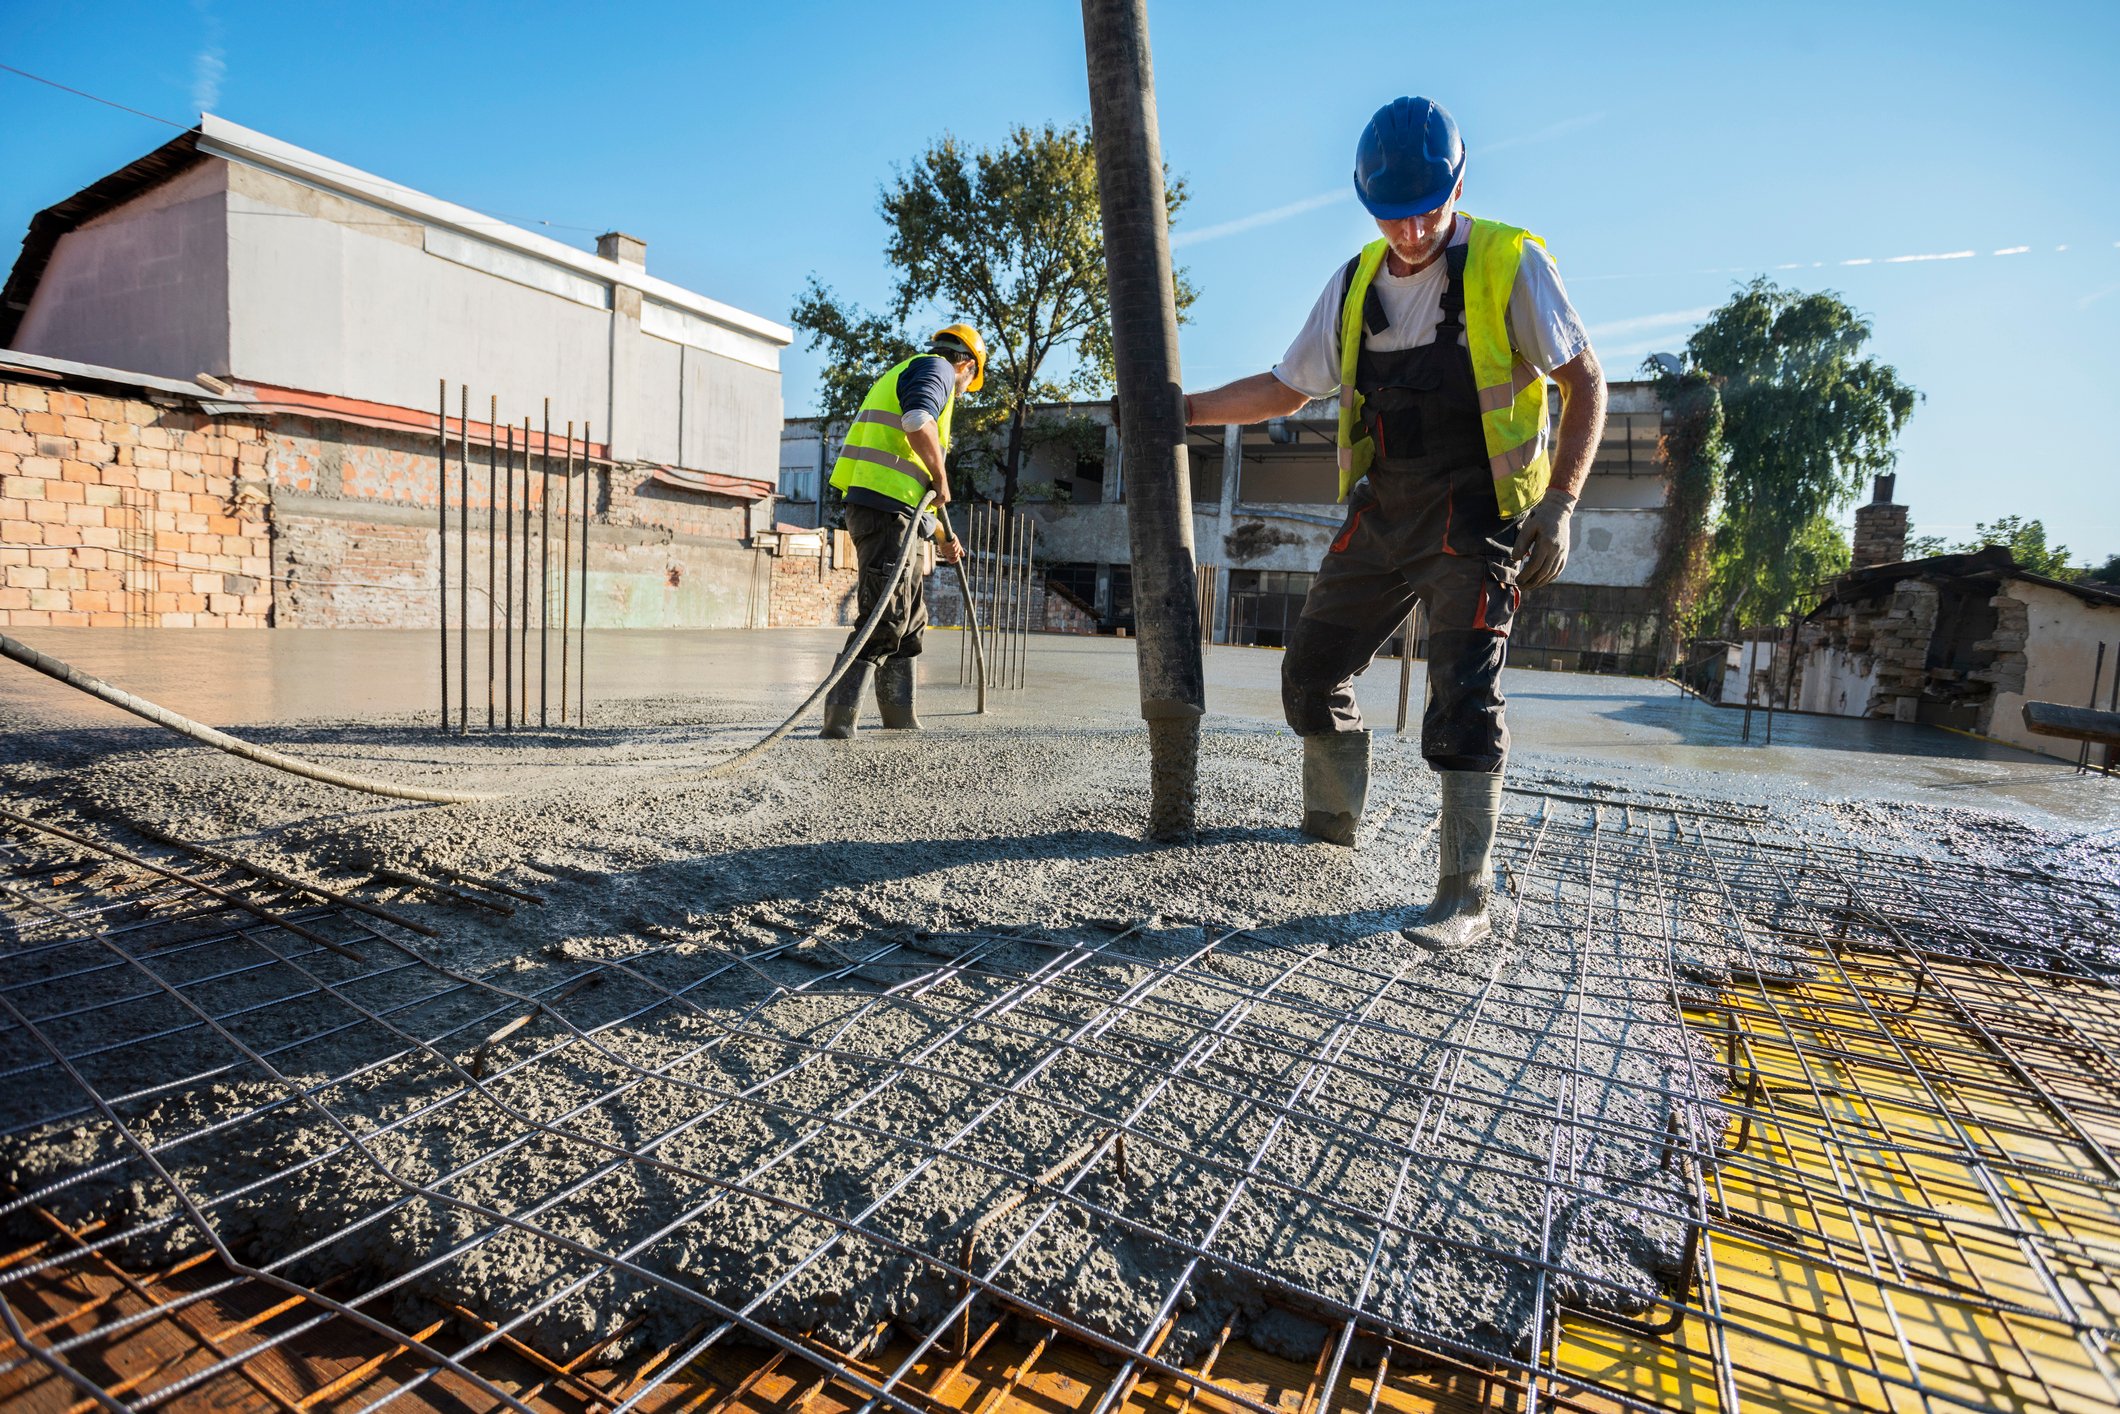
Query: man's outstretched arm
[1245, 401]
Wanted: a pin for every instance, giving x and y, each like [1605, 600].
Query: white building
[230, 253]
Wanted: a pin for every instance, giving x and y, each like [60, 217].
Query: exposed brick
[48, 600]
[82, 429]
[23, 488]
[22, 532]
[27, 577]
[69, 404]
[65, 491]
[24, 398]
[13, 598]
[48, 423]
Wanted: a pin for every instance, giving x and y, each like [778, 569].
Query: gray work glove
[1542, 543]
[929, 525]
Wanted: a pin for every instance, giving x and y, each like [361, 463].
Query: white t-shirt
[1544, 330]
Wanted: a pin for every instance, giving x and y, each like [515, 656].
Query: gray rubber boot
[1472, 807]
[842, 705]
[895, 694]
[1335, 784]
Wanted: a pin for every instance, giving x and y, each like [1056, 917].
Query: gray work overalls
[1422, 526]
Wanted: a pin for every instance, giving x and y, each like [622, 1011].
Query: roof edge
[218, 137]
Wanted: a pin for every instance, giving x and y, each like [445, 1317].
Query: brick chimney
[625, 249]
[1880, 527]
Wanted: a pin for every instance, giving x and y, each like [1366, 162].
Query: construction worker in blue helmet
[1436, 342]
[896, 450]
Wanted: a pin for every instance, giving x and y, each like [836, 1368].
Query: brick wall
[807, 591]
[116, 511]
[120, 510]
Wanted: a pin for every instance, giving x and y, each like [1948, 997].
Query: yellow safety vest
[878, 456]
[1512, 408]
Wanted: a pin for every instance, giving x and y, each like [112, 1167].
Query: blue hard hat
[1409, 159]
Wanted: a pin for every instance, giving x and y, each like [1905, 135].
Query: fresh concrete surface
[1570, 721]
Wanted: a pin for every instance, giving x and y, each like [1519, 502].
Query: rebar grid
[1878, 1105]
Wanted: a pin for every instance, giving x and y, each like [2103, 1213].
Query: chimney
[625, 249]
[1880, 527]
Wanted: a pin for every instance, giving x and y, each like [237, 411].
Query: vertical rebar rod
[493, 549]
[1031, 615]
[523, 670]
[463, 545]
[986, 585]
[441, 534]
[1002, 601]
[581, 650]
[1405, 667]
[2112, 704]
[506, 513]
[544, 567]
[566, 574]
[964, 646]
[2083, 753]
[1023, 594]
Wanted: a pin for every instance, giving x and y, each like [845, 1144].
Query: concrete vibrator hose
[853, 650]
[265, 756]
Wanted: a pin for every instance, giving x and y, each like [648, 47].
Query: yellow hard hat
[964, 336]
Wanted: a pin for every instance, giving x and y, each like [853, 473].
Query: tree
[1692, 450]
[1807, 420]
[2024, 539]
[2107, 573]
[1006, 238]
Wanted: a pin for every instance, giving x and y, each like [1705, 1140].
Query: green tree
[2024, 539]
[1807, 420]
[1694, 456]
[1007, 238]
[2107, 573]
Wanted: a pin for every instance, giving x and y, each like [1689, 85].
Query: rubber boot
[842, 705]
[1335, 784]
[895, 694]
[1458, 917]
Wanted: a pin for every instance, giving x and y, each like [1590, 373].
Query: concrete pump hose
[161, 716]
[846, 656]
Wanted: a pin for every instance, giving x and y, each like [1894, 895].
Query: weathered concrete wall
[1615, 547]
[234, 269]
[144, 287]
[2061, 634]
[116, 512]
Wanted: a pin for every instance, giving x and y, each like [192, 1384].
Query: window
[798, 485]
[1265, 604]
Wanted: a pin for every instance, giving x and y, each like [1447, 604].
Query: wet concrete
[1574, 721]
[1412, 1174]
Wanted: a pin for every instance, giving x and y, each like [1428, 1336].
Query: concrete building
[1960, 641]
[232, 280]
[1265, 506]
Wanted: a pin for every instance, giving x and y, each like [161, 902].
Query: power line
[83, 93]
[186, 127]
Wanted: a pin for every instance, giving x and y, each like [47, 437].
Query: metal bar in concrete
[441, 536]
[581, 644]
[1405, 666]
[523, 680]
[1032, 600]
[493, 520]
[506, 513]
[2113, 705]
[2090, 702]
[566, 575]
[463, 545]
[544, 564]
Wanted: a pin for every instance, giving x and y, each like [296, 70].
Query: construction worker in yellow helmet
[894, 453]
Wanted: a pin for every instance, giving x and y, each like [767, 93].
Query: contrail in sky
[1275, 214]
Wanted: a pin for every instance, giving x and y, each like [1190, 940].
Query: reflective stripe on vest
[877, 455]
[1513, 409]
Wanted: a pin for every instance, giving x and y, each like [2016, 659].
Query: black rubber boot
[1458, 917]
[1335, 784]
[895, 694]
[842, 705]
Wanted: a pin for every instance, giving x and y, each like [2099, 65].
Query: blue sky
[1666, 152]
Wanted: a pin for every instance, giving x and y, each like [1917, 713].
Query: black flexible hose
[846, 656]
